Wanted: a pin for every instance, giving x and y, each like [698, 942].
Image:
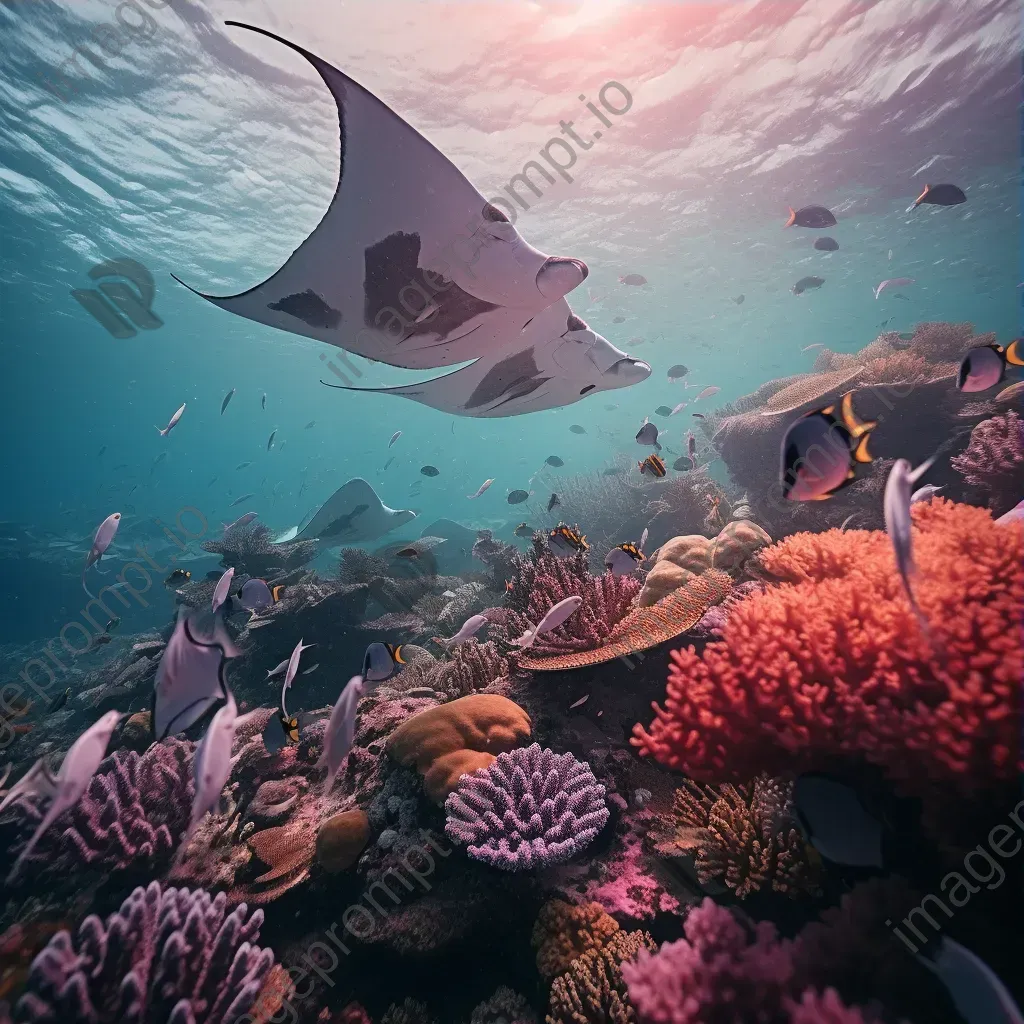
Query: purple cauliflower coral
[529, 809]
[168, 956]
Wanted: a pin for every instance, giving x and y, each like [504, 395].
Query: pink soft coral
[994, 461]
[832, 664]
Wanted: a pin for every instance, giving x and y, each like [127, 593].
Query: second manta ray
[413, 267]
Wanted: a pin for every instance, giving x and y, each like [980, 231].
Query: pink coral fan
[542, 580]
[832, 663]
[994, 461]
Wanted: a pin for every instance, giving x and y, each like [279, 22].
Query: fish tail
[160, 430]
[1014, 353]
[792, 218]
[85, 588]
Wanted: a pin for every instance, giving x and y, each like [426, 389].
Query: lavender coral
[994, 461]
[530, 808]
[168, 956]
[135, 809]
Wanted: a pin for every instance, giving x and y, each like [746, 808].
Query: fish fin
[396, 653]
[275, 592]
[1014, 353]
[792, 218]
[916, 474]
[920, 198]
[861, 453]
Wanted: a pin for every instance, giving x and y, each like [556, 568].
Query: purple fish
[223, 588]
[66, 788]
[469, 628]
[164, 431]
[707, 393]
[191, 675]
[341, 730]
[553, 618]
[892, 282]
[211, 766]
[101, 540]
[293, 665]
[480, 490]
[241, 520]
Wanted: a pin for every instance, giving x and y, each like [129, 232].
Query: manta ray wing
[354, 513]
[410, 265]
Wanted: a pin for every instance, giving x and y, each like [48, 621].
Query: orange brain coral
[832, 664]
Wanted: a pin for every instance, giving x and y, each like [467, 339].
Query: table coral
[166, 955]
[740, 834]
[529, 809]
[563, 932]
[833, 664]
[447, 741]
[593, 990]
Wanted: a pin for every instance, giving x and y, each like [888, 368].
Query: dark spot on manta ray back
[397, 290]
[513, 377]
[308, 307]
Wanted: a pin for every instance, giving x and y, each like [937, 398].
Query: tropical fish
[554, 460]
[832, 818]
[647, 435]
[553, 618]
[524, 530]
[636, 280]
[353, 513]
[663, 410]
[172, 423]
[683, 464]
[310, 425]
[553, 502]
[577, 429]
[679, 408]
[293, 666]
[892, 282]
[102, 539]
[811, 217]
[341, 730]
[430, 471]
[565, 541]
[653, 466]
[925, 493]
[112, 624]
[896, 506]
[707, 392]
[483, 487]
[255, 595]
[469, 628]
[243, 498]
[976, 990]
[623, 559]
[281, 730]
[223, 589]
[227, 399]
[807, 282]
[263, 400]
[826, 244]
[941, 195]
[985, 366]
[190, 678]
[270, 440]
[59, 701]
[838, 440]
[677, 372]
[177, 578]
[394, 437]
[71, 781]
[381, 661]
[517, 497]
[241, 520]
[211, 766]
[278, 669]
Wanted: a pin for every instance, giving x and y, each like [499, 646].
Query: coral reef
[166, 955]
[593, 989]
[564, 932]
[134, 811]
[741, 834]
[341, 839]
[644, 627]
[993, 461]
[446, 742]
[528, 809]
[504, 1007]
[832, 663]
[249, 550]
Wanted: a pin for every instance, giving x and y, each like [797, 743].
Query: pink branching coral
[832, 663]
[740, 834]
[542, 580]
[994, 461]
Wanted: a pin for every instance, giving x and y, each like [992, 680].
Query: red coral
[542, 580]
[832, 664]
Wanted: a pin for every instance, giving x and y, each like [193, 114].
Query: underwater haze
[735, 221]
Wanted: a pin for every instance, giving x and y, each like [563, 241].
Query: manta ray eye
[589, 387]
[493, 213]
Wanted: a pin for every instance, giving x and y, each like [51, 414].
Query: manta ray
[411, 266]
[353, 513]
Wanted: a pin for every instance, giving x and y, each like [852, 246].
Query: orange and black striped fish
[654, 465]
[565, 541]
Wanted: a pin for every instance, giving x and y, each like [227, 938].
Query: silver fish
[71, 781]
[270, 440]
[483, 487]
[172, 423]
[469, 628]
[227, 398]
[553, 618]
[394, 437]
[223, 588]
[241, 520]
[293, 665]
[976, 990]
[238, 501]
[925, 493]
[896, 506]
[211, 766]
[341, 730]
[101, 540]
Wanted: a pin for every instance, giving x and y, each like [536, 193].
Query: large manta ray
[411, 266]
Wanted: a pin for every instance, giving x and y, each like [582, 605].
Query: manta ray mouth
[559, 275]
[629, 371]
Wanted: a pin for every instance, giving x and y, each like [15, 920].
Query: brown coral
[646, 627]
[562, 933]
[740, 834]
[341, 839]
[446, 742]
[592, 990]
[812, 388]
